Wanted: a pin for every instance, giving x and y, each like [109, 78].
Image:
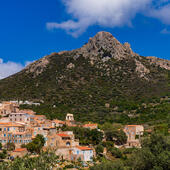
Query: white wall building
[21, 117]
[85, 153]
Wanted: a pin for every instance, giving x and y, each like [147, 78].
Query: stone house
[14, 133]
[61, 142]
[28, 111]
[90, 126]
[57, 123]
[7, 107]
[69, 117]
[83, 153]
[40, 118]
[21, 117]
[19, 138]
[133, 133]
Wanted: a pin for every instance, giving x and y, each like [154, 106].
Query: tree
[118, 136]
[115, 165]
[3, 154]
[36, 145]
[155, 154]
[0, 146]
[10, 146]
[115, 152]
[99, 149]
[86, 136]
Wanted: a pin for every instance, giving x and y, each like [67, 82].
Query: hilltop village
[20, 127]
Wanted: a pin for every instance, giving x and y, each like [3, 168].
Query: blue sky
[31, 29]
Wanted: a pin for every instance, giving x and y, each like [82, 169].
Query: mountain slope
[85, 79]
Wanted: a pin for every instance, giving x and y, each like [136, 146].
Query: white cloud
[9, 68]
[109, 13]
[162, 13]
[28, 63]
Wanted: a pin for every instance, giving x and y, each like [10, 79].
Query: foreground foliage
[45, 161]
[154, 155]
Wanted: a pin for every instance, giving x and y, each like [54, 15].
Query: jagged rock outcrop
[160, 62]
[104, 44]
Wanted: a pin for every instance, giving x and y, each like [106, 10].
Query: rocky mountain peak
[106, 45]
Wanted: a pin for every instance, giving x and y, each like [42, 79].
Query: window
[68, 144]
[4, 129]
[8, 129]
[4, 135]
[77, 152]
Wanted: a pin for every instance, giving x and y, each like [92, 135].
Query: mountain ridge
[92, 48]
[84, 80]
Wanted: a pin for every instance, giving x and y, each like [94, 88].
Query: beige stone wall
[64, 152]
[18, 154]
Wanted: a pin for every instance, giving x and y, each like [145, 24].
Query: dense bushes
[36, 145]
[86, 136]
[45, 161]
[116, 165]
[154, 155]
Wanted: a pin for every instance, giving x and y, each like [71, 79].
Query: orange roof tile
[9, 124]
[63, 135]
[40, 116]
[58, 121]
[89, 125]
[20, 150]
[84, 148]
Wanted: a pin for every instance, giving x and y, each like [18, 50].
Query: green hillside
[85, 80]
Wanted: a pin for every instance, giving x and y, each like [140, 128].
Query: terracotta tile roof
[40, 116]
[20, 150]
[10, 124]
[89, 125]
[58, 121]
[84, 148]
[63, 135]
[31, 112]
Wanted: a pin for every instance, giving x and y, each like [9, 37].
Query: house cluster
[21, 127]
